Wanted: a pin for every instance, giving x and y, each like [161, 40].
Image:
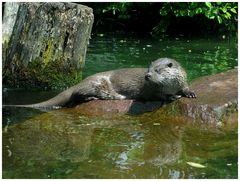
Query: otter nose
[147, 76]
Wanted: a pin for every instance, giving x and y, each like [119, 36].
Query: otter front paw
[189, 94]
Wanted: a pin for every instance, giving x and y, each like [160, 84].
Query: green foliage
[157, 17]
[223, 12]
[118, 8]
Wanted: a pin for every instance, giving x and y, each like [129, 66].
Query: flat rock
[117, 107]
[217, 97]
[216, 100]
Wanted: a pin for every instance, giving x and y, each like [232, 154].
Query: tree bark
[49, 35]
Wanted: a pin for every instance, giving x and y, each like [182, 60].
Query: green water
[66, 144]
[198, 56]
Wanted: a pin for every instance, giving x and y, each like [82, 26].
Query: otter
[164, 80]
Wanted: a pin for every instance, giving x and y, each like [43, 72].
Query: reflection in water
[168, 150]
[64, 144]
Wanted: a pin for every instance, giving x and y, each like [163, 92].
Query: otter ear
[170, 65]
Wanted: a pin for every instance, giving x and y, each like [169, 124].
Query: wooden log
[38, 37]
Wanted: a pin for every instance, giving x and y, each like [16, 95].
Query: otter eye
[170, 65]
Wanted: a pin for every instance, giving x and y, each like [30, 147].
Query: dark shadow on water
[11, 115]
[142, 107]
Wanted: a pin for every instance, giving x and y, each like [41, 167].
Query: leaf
[208, 4]
[211, 17]
[227, 15]
[182, 12]
[163, 12]
[196, 165]
[199, 10]
[233, 10]
[219, 19]
[224, 9]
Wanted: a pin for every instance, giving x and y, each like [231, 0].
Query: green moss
[50, 75]
[48, 52]
[5, 40]
[173, 109]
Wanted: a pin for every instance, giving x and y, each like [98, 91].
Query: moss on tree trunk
[44, 44]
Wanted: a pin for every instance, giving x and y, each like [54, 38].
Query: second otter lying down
[164, 80]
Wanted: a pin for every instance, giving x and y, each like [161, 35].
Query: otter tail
[54, 103]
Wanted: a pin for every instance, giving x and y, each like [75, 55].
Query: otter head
[167, 73]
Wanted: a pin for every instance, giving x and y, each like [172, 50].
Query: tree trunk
[44, 43]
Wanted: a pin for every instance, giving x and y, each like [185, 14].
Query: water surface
[198, 56]
[67, 144]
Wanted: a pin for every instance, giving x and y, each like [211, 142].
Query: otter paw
[190, 94]
[174, 97]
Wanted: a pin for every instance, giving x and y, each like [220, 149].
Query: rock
[216, 101]
[216, 98]
[117, 107]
